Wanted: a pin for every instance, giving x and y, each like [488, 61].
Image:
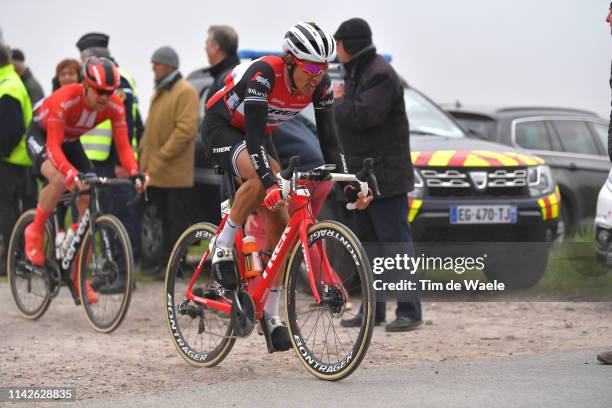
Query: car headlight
[540, 180]
[419, 186]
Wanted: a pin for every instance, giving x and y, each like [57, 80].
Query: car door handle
[572, 166]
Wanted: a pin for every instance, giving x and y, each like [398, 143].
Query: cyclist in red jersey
[54, 147]
[258, 97]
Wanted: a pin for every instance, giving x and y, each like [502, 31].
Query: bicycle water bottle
[252, 260]
[68, 238]
[59, 242]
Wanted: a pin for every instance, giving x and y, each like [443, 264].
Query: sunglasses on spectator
[312, 68]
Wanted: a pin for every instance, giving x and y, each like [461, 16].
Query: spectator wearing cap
[34, 89]
[372, 122]
[15, 116]
[98, 143]
[168, 148]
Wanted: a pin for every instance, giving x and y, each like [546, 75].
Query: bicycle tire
[15, 259]
[338, 239]
[180, 325]
[117, 272]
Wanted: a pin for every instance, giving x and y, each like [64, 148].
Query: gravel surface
[60, 349]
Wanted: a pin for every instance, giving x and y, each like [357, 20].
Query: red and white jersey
[66, 116]
[265, 80]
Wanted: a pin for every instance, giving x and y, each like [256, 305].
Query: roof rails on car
[254, 54]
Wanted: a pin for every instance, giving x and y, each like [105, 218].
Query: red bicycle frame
[297, 228]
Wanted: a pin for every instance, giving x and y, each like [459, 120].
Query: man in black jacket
[221, 50]
[372, 122]
[606, 357]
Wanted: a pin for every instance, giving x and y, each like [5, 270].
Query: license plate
[483, 214]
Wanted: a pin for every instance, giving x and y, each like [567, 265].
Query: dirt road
[61, 349]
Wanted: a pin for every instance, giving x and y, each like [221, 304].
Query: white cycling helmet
[308, 41]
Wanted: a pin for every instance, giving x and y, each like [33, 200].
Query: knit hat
[91, 40]
[355, 35]
[17, 55]
[166, 56]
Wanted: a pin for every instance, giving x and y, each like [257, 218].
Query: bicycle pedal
[263, 330]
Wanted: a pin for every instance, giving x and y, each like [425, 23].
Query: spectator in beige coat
[167, 149]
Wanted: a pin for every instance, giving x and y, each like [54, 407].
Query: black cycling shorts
[36, 143]
[223, 143]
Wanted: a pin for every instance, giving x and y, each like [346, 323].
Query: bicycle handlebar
[364, 177]
[91, 179]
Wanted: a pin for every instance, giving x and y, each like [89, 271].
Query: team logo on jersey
[255, 92]
[261, 80]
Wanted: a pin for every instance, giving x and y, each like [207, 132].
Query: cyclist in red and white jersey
[54, 147]
[258, 97]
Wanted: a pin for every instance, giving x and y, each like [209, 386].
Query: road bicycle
[96, 252]
[205, 320]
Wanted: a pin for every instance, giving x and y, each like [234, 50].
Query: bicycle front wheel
[202, 335]
[105, 274]
[341, 272]
[29, 289]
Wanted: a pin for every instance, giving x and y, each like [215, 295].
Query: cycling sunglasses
[103, 92]
[311, 68]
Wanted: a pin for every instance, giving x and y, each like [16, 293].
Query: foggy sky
[483, 52]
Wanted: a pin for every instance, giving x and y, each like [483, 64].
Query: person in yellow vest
[98, 142]
[15, 116]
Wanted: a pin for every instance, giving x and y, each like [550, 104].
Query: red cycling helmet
[100, 73]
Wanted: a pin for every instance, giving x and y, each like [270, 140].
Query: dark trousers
[173, 209]
[13, 178]
[386, 220]
[113, 201]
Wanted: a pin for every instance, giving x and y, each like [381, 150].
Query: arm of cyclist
[255, 115]
[55, 154]
[330, 142]
[124, 150]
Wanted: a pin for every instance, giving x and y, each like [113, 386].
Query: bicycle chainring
[243, 317]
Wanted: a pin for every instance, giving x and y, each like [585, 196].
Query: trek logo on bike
[276, 251]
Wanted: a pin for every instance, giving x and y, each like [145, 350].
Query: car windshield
[426, 118]
[482, 126]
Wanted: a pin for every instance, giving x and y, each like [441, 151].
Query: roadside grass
[572, 273]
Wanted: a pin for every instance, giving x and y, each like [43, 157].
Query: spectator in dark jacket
[372, 122]
[221, 50]
[606, 357]
[33, 87]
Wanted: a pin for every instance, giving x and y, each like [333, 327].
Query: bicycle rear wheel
[203, 336]
[105, 274]
[28, 288]
[341, 269]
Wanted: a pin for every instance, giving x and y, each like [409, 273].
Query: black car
[572, 142]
